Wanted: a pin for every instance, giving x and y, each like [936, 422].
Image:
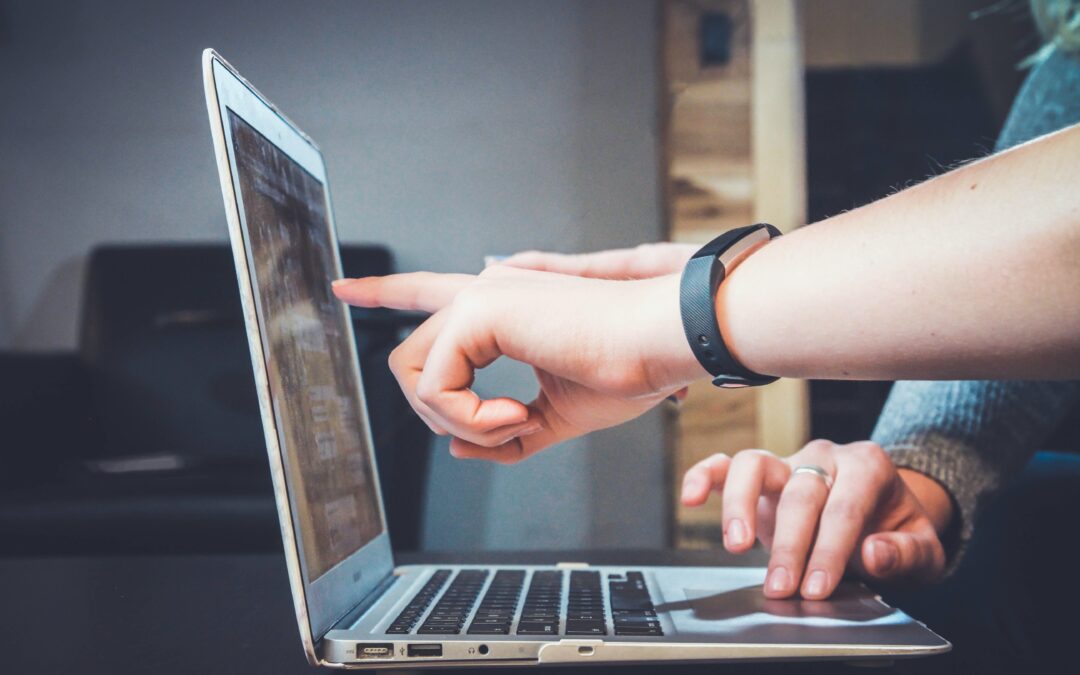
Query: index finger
[418, 291]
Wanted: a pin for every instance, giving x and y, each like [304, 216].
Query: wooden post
[779, 133]
[734, 153]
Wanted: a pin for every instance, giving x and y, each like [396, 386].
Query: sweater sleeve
[970, 436]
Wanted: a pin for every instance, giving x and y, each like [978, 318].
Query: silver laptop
[353, 606]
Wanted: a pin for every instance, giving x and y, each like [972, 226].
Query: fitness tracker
[697, 301]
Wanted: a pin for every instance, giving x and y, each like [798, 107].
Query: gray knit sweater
[972, 436]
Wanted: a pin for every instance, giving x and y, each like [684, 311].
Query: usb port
[426, 650]
[382, 650]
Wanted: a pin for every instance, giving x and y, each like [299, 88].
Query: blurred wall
[998, 36]
[451, 130]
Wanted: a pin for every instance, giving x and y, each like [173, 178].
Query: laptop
[354, 607]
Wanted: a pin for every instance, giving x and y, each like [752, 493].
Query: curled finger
[703, 477]
[464, 345]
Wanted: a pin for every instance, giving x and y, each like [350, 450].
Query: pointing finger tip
[348, 290]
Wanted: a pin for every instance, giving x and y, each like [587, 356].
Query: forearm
[973, 274]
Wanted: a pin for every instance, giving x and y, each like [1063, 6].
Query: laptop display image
[354, 608]
[312, 382]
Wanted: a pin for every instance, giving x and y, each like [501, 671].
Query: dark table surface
[211, 614]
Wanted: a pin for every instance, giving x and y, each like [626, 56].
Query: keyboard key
[597, 615]
[585, 627]
[538, 628]
[636, 617]
[438, 629]
[629, 596]
[502, 629]
[648, 632]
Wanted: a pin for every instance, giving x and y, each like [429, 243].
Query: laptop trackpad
[745, 614]
[848, 603]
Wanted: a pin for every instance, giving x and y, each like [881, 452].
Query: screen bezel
[319, 603]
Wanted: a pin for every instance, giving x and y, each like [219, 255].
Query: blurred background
[451, 130]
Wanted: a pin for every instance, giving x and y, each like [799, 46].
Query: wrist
[738, 304]
[664, 354]
[703, 279]
[932, 495]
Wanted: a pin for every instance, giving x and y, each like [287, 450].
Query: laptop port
[430, 650]
[382, 650]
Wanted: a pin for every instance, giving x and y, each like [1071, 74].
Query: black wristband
[697, 301]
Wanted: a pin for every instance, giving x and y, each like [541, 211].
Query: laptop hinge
[365, 604]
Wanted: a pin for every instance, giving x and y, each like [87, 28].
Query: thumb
[903, 555]
[642, 262]
[578, 265]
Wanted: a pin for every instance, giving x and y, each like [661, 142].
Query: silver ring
[815, 470]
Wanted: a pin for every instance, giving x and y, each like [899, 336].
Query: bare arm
[974, 274]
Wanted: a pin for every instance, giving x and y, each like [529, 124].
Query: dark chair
[149, 438]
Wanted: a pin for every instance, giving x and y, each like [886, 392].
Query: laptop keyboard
[541, 613]
[496, 610]
[585, 613]
[543, 605]
[418, 605]
[454, 606]
[632, 610]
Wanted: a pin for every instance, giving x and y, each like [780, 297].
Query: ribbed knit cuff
[963, 474]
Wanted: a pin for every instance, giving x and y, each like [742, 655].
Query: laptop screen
[313, 382]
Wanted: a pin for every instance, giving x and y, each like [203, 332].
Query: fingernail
[816, 582]
[529, 431]
[338, 282]
[779, 580]
[691, 484]
[736, 533]
[885, 555]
